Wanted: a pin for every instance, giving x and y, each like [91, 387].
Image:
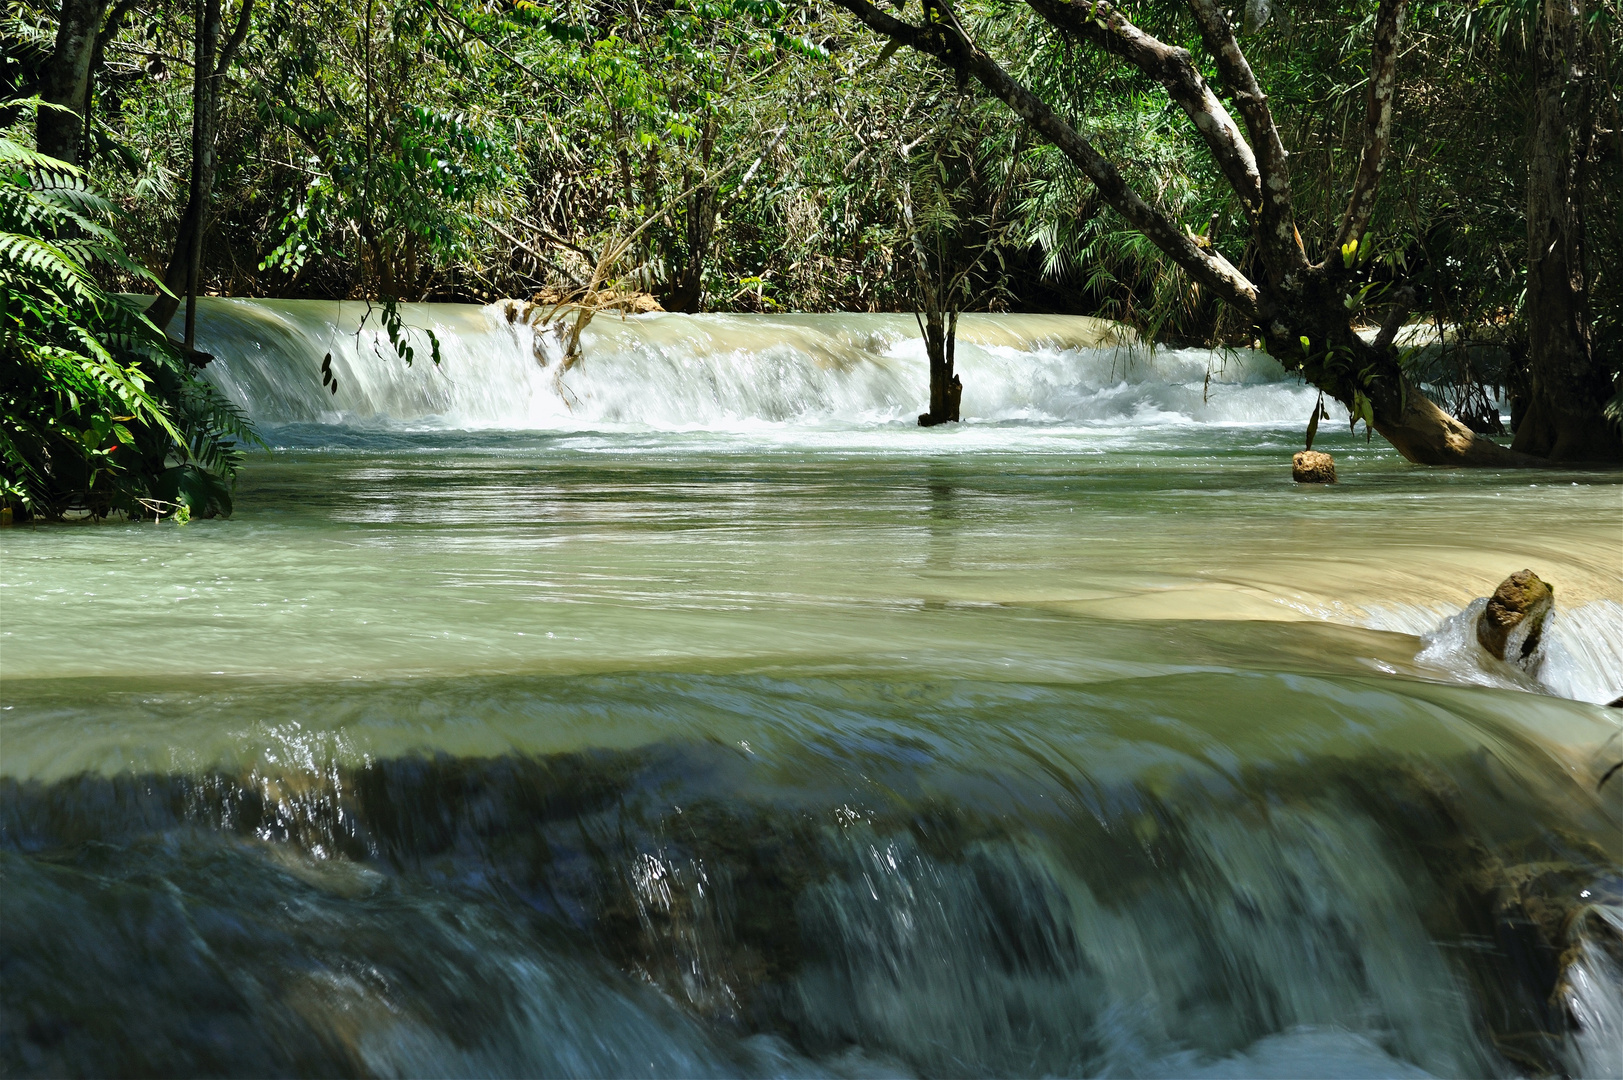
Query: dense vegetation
[98, 411]
[757, 155]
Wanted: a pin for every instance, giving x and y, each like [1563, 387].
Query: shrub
[99, 411]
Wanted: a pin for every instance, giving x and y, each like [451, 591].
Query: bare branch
[535, 253]
[553, 238]
[1377, 126]
[954, 49]
[749, 174]
[1280, 245]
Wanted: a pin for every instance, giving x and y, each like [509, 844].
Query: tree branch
[491, 45]
[1279, 243]
[539, 256]
[1402, 302]
[239, 33]
[110, 28]
[1377, 126]
[948, 44]
[749, 174]
[553, 238]
[1171, 66]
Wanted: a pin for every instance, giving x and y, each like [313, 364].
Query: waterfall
[801, 374]
[716, 372]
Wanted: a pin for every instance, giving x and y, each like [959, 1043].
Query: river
[693, 712]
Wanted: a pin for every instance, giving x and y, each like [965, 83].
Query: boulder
[1313, 467]
[1512, 623]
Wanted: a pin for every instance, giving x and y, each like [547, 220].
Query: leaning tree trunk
[1563, 420]
[60, 133]
[1299, 308]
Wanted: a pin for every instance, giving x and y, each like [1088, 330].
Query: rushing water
[694, 712]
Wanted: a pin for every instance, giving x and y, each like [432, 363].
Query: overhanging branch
[1280, 245]
[949, 45]
[239, 33]
[1377, 126]
[1098, 22]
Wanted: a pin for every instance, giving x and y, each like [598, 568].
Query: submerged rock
[1313, 467]
[1513, 621]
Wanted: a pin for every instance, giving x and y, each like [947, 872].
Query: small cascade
[1581, 656]
[1057, 900]
[716, 372]
[268, 356]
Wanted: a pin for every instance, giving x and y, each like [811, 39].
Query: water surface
[697, 714]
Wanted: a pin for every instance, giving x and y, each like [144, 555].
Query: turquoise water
[794, 740]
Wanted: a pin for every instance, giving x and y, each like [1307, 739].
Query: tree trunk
[1340, 362]
[1295, 301]
[109, 30]
[686, 292]
[1563, 419]
[184, 269]
[687, 289]
[1426, 435]
[67, 81]
[938, 325]
[211, 62]
[940, 338]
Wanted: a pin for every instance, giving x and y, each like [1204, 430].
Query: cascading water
[717, 372]
[693, 712]
[735, 373]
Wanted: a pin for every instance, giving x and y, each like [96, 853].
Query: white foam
[1304, 1051]
[719, 372]
[1583, 649]
[1580, 657]
[1591, 988]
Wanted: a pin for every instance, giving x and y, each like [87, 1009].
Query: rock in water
[1511, 624]
[1313, 467]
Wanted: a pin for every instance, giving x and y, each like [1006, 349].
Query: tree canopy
[1176, 166]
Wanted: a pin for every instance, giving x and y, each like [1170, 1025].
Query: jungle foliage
[98, 411]
[742, 155]
[469, 149]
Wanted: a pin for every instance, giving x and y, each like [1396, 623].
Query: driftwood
[569, 310]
